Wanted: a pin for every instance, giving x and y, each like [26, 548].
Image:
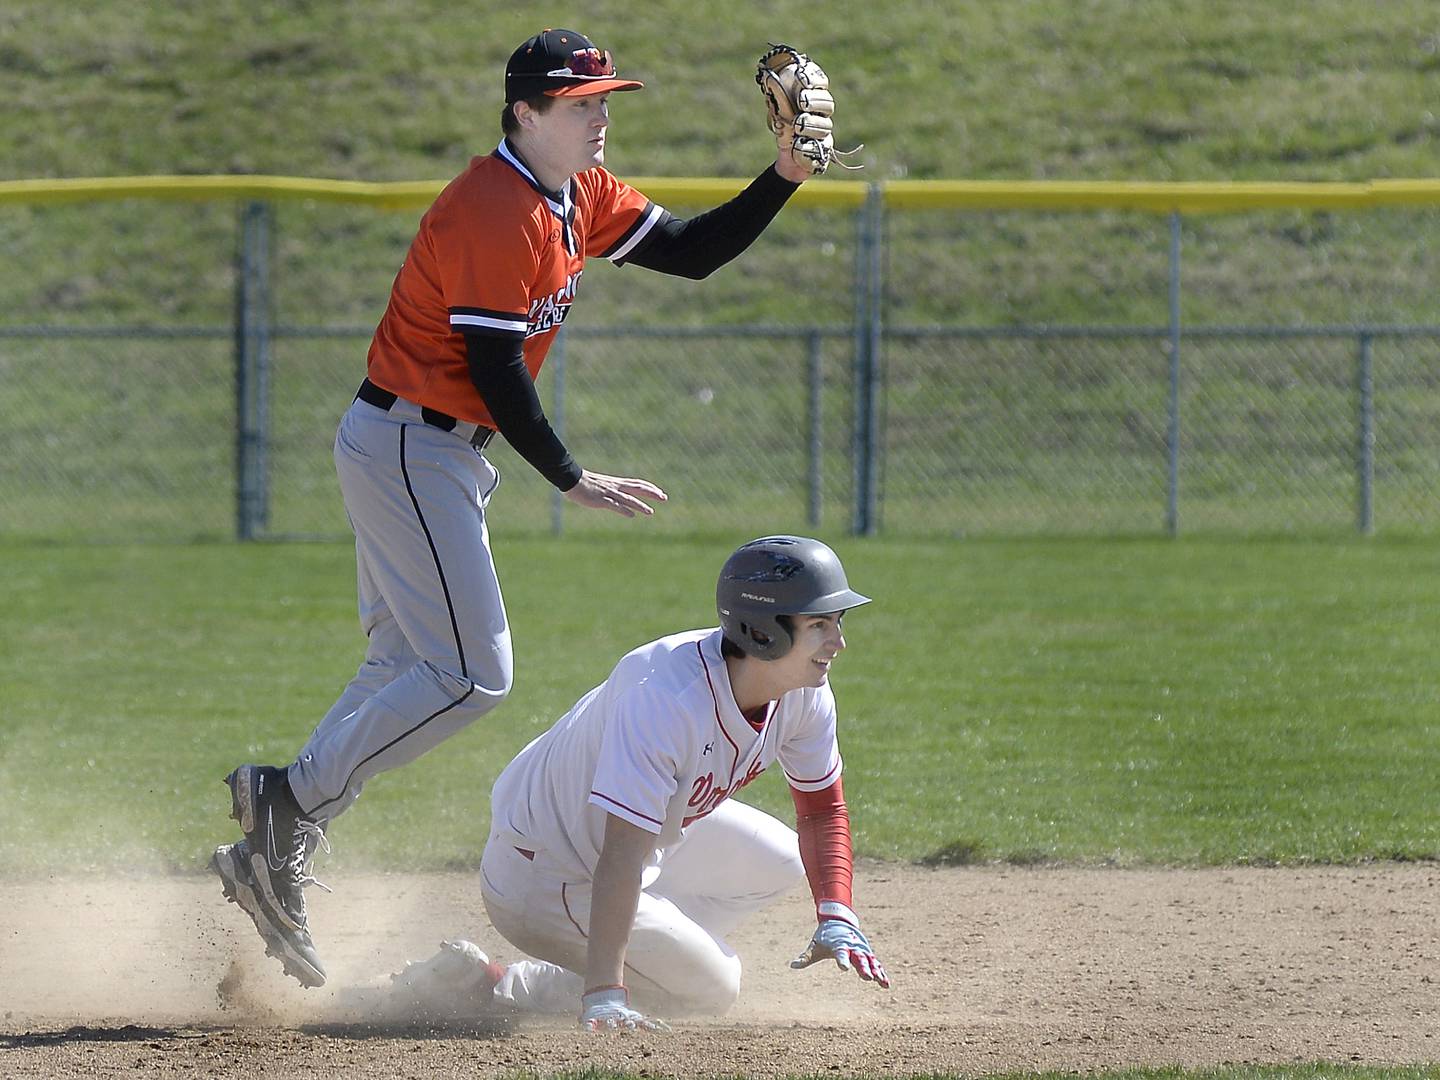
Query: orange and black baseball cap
[561, 63]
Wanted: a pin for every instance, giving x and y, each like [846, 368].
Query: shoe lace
[303, 855]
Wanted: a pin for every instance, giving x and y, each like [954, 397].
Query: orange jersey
[499, 255]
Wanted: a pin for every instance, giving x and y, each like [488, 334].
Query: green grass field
[1106, 702]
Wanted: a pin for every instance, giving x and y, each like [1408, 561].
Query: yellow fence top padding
[393, 196]
[1157, 197]
[1185, 197]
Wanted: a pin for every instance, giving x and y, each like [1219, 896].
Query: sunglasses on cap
[587, 63]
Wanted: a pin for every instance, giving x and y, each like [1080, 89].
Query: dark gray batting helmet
[779, 575]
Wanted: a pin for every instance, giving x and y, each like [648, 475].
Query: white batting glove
[838, 936]
[608, 1009]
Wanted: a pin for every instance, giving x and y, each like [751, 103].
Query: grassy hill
[1066, 89]
[1049, 89]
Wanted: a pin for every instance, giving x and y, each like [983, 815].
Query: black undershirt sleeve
[693, 248]
[497, 368]
[697, 247]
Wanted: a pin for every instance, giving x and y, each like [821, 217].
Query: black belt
[384, 399]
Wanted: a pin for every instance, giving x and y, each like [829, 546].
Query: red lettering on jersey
[756, 768]
[701, 791]
[704, 797]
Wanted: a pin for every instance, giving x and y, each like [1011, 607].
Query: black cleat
[289, 944]
[266, 873]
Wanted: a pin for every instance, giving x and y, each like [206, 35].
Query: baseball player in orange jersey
[492, 273]
[619, 858]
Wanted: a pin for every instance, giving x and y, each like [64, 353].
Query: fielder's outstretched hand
[622, 494]
[608, 1009]
[849, 948]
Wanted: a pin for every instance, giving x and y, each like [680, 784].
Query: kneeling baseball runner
[619, 858]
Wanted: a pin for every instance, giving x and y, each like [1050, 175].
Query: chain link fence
[933, 384]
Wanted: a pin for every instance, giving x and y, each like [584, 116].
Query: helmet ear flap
[782, 639]
[769, 640]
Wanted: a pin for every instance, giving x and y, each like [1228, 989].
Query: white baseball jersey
[661, 743]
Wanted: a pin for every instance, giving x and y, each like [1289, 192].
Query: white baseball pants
[727, 867]
[439, 645]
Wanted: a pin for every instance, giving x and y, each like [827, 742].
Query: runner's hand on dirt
[608, 1009]
[848, 947]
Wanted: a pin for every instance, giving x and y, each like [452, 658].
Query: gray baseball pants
[439, 644]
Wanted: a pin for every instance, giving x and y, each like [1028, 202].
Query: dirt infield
[994, 969]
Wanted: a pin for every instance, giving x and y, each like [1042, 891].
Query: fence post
[1172, 436]
[556, 360]
[815, 380]
[1365, 456]
[869, 288]
[876, 353]
[252, 371]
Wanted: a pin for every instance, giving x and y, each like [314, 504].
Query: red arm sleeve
[823, 822]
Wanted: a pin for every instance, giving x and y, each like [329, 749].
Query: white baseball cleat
[458, 982]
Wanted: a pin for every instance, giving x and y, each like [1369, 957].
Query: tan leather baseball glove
[797, 95]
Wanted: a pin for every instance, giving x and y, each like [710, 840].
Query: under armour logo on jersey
[708, 747]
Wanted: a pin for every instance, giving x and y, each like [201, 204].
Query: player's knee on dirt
[678, 969]
[717, 997]
[713, 995]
